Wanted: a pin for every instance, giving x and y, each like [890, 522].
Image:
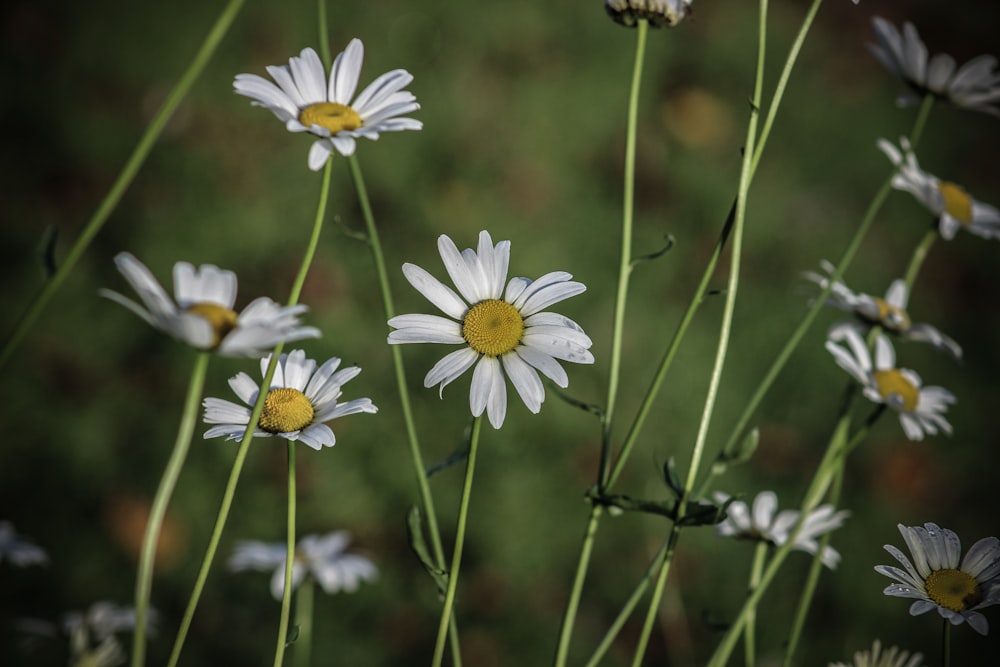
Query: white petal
[435, 291]
[525, 380]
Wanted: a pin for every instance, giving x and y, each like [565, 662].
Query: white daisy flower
[889, 312]
[301, 398]
[104, 619]
[975, 85]
[201, 313]
[764, 524]
[305, 102]
[17, 550]
[497, 330]
[920, 408]
[322, 557]
[659, 13]
[954, 207]
[936, 580]
[894, 657]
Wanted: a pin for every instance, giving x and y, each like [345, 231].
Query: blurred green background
[523, 105]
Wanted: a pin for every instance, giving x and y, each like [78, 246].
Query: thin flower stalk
[750, 631]
[304, 600]
[144, 577]
[286, 596]
[125, 178]
[456, 558]
[426, 499]
[244, 448]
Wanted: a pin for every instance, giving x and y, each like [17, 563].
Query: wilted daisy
[953, 206]
[201, 313]
[975, 85]
[889, 312]
[764, 524]
[894, 657]
[301, 398]
[659, 13]
[497, 329]
[920, 408]
[17, 550]
[305, 101]
[321, 557]
[936, 580]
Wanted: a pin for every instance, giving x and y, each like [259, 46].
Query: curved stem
[241, 454]
[456, 558]
[286, 596]
[144, 578]
[125, 178]
[426, 499]
[919, 255]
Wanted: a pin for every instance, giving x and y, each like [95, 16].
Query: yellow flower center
[331, 115]
[286, 410]
[222, 319]
[953, 589]
[957, 202]
[898, 392]
[493, 327]
[891, 317]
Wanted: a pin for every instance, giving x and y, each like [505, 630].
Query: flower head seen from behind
[201, 313]
[975, 85]
[938, 578]
[323, 558]
[949, 202]
[763, 523]
[499, 331]
[304, 99]
[659, 13]
[920, 408]
[876, 657]
[17, 550]
[887, 312]
[301, 398]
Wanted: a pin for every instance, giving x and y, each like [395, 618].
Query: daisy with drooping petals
[889, 312]
[499, 331]
[321, 557]
[975, 85]
[936, 579]
[764, 523]
[659, 13]
[954, 207]
[893, 657]
[201, 313]
[920, 408]
[302, 98]
[301, 398]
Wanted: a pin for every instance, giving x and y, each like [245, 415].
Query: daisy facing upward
[499, 331]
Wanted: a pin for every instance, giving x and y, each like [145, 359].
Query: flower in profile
[322, 557]
[894, 657]
[499, 331]
[936, 579]
[950, 203]
[302, 98]
[19, 551]
[920, 408]
[201, 313]
[659, 13]
[975, 85]
[763, 523]
[301, 398]
[889, 312]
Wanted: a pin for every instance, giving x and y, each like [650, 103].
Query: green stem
[946, 643]
[324, 31]
[750, 631]
[456, 559]
[805, 600]
[241, 454]
[625, 260]
[654, 603]
[144, 578]
[286, 596]
[919, 255]
[125, 178]
[304, 602]
[404, 397]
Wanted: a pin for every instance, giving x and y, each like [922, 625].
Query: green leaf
[672, 479]
[293, 635]
[659, 253]
[738, 452]
[47, 250]
[414, 528]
